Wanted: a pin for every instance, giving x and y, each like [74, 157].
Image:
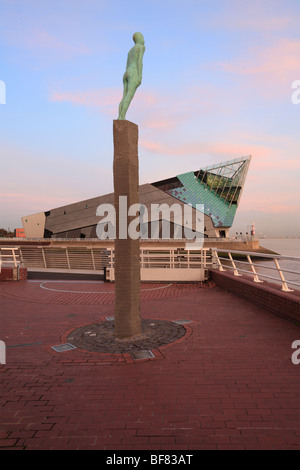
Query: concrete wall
[166, 275]
[34, 225]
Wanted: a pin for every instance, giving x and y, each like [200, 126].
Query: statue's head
[138, 38]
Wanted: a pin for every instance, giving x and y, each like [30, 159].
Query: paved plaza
[227, 383]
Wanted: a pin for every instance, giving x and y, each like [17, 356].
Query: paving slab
[227, 383]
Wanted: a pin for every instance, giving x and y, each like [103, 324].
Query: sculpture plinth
[127, 320]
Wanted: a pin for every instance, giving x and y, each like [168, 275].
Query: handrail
[252, 253]
[96, 258]
[256, 276]
[13, 256]
[84, 240]
[262, 275]
[268, 267]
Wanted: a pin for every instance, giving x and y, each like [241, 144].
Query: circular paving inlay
[99, 337]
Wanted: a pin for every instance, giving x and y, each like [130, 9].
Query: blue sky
[216, 86]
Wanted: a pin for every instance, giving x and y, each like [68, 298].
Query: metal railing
[97, 258]
[65, 258]
[82, 241]
[9, 256]
[255, 268]
[176, 258]
[174, 264]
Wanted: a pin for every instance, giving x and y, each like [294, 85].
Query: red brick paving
[228, 384]
[82, 292]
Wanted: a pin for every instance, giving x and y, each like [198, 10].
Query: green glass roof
[218, 188]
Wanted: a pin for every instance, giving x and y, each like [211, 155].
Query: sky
[217, 85]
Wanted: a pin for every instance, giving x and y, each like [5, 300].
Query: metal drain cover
[144, 354]
[155, 333]
[63, 347]
[182, 322]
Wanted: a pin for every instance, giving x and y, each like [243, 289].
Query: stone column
[127, 321]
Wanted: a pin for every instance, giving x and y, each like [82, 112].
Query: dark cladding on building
[218, 188]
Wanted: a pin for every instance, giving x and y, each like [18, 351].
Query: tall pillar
[127, 319]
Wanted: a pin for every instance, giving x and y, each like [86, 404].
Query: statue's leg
[131, 89]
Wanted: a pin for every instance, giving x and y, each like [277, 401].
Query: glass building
[217, 187]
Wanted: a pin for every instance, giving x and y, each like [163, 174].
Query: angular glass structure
[219, 187]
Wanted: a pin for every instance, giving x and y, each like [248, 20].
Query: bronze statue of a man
[133, 76]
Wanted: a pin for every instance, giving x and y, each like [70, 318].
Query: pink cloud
[277, 59]
[271, 186]
[284, 208]
[105, 100]
[34, 200]
[204, 148]
[91, 98]
[39, 40]
[268, 202]
[155, 110]
[253, 16]
[268, 68]
[275, 161]
[171, 110]
[272, 153]
[166, 124]
[9, 195]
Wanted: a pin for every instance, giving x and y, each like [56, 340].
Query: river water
[284, 247]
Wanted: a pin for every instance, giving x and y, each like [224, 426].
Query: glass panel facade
[218, 187]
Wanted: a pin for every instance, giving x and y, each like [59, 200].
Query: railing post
[284, 286]
[142, 258]
[256, 279]
[44, 258]
[93, 259]
[68, 260]
[220, 267]
[14, 257]
[212, 259]
[235, 271]
[21, 256]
